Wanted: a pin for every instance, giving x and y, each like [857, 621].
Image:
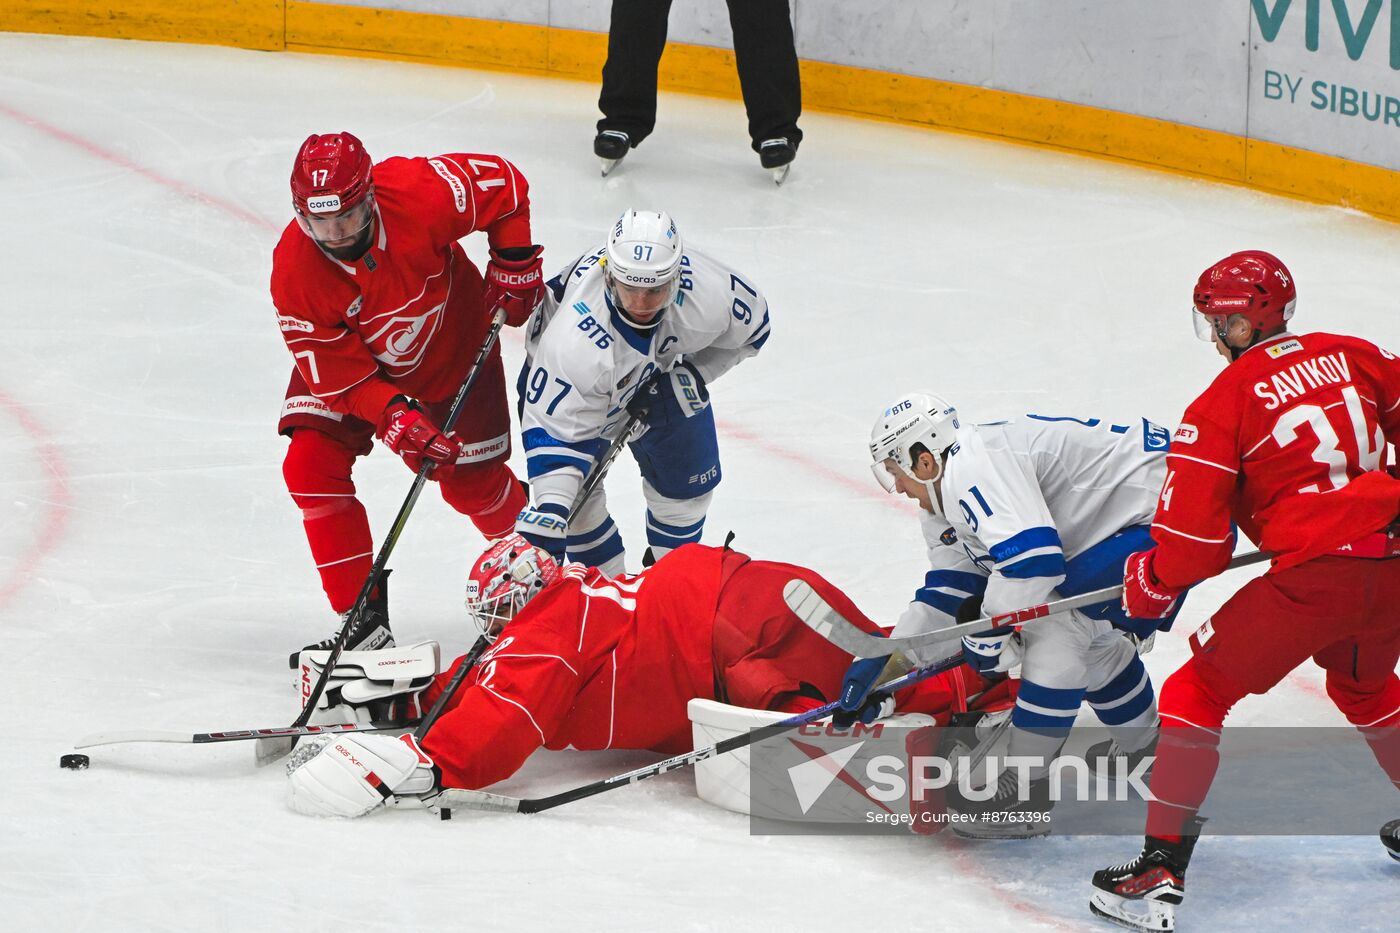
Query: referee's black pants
[763, 48]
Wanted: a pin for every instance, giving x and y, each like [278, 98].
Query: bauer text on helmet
[916, 424]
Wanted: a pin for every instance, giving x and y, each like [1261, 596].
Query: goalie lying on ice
[593, 662]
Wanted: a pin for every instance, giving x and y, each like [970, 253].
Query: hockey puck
[445, 814]
[74, 762]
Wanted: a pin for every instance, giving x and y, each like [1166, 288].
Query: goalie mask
[917, 423]
[642, 268]
[508, 575]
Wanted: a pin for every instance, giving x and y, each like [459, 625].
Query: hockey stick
[481, 800]
[450, 690]
[240, 735]
[831, 625]
[600, 468]
[269, 749]
[595, 476]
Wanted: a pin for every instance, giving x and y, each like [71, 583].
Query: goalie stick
[240, 735]
[481, 800]
[269, 750]
[595, 476]
[819, 616]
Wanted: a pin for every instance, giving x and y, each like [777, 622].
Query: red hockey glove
[1144, 596]
[515, 281]
[411, 434]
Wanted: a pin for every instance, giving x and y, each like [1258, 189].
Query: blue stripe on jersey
[1041, 565]
[539, 464]
[762, 329]
[758, 344]
[539, 437]
[964, 581]
[943, 602]
[1028, 540]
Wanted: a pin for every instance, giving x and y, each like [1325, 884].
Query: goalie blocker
[368, 685]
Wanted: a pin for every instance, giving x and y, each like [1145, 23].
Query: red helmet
[508, 575]
[1253, 283]
[331, 178]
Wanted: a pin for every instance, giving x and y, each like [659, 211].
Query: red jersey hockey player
[595, 662]
[383, 314]
[1289, 442]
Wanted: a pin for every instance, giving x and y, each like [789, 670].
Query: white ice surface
[153, 572]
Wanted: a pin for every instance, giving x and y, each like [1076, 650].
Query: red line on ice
[56, 499]
[122, 162]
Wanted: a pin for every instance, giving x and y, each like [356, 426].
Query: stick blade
[456, 798]
[271, 749]
[818, 615]
[134, 735]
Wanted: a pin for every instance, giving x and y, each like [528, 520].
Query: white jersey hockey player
[1014, 513]
[643, 324]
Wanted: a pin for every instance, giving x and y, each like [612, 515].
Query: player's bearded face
[345, 235]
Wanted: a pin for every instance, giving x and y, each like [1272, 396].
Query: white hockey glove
[369, 685]
[354, 774]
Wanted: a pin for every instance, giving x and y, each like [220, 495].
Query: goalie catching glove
[353, 775]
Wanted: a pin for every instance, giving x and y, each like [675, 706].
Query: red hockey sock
[1187, 752]
[317, 472]
[1374, 708]
[488, 494]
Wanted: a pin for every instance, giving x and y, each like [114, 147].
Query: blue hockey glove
[679, 390]
[858, 702]
[992, 654]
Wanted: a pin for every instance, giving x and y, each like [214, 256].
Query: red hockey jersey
[406, 317]
[596, 662]
[1290, 441]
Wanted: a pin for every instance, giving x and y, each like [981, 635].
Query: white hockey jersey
[1023, 496]
[584, 363]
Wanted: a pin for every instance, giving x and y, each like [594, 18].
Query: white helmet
[644, 257]
[917, 419]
